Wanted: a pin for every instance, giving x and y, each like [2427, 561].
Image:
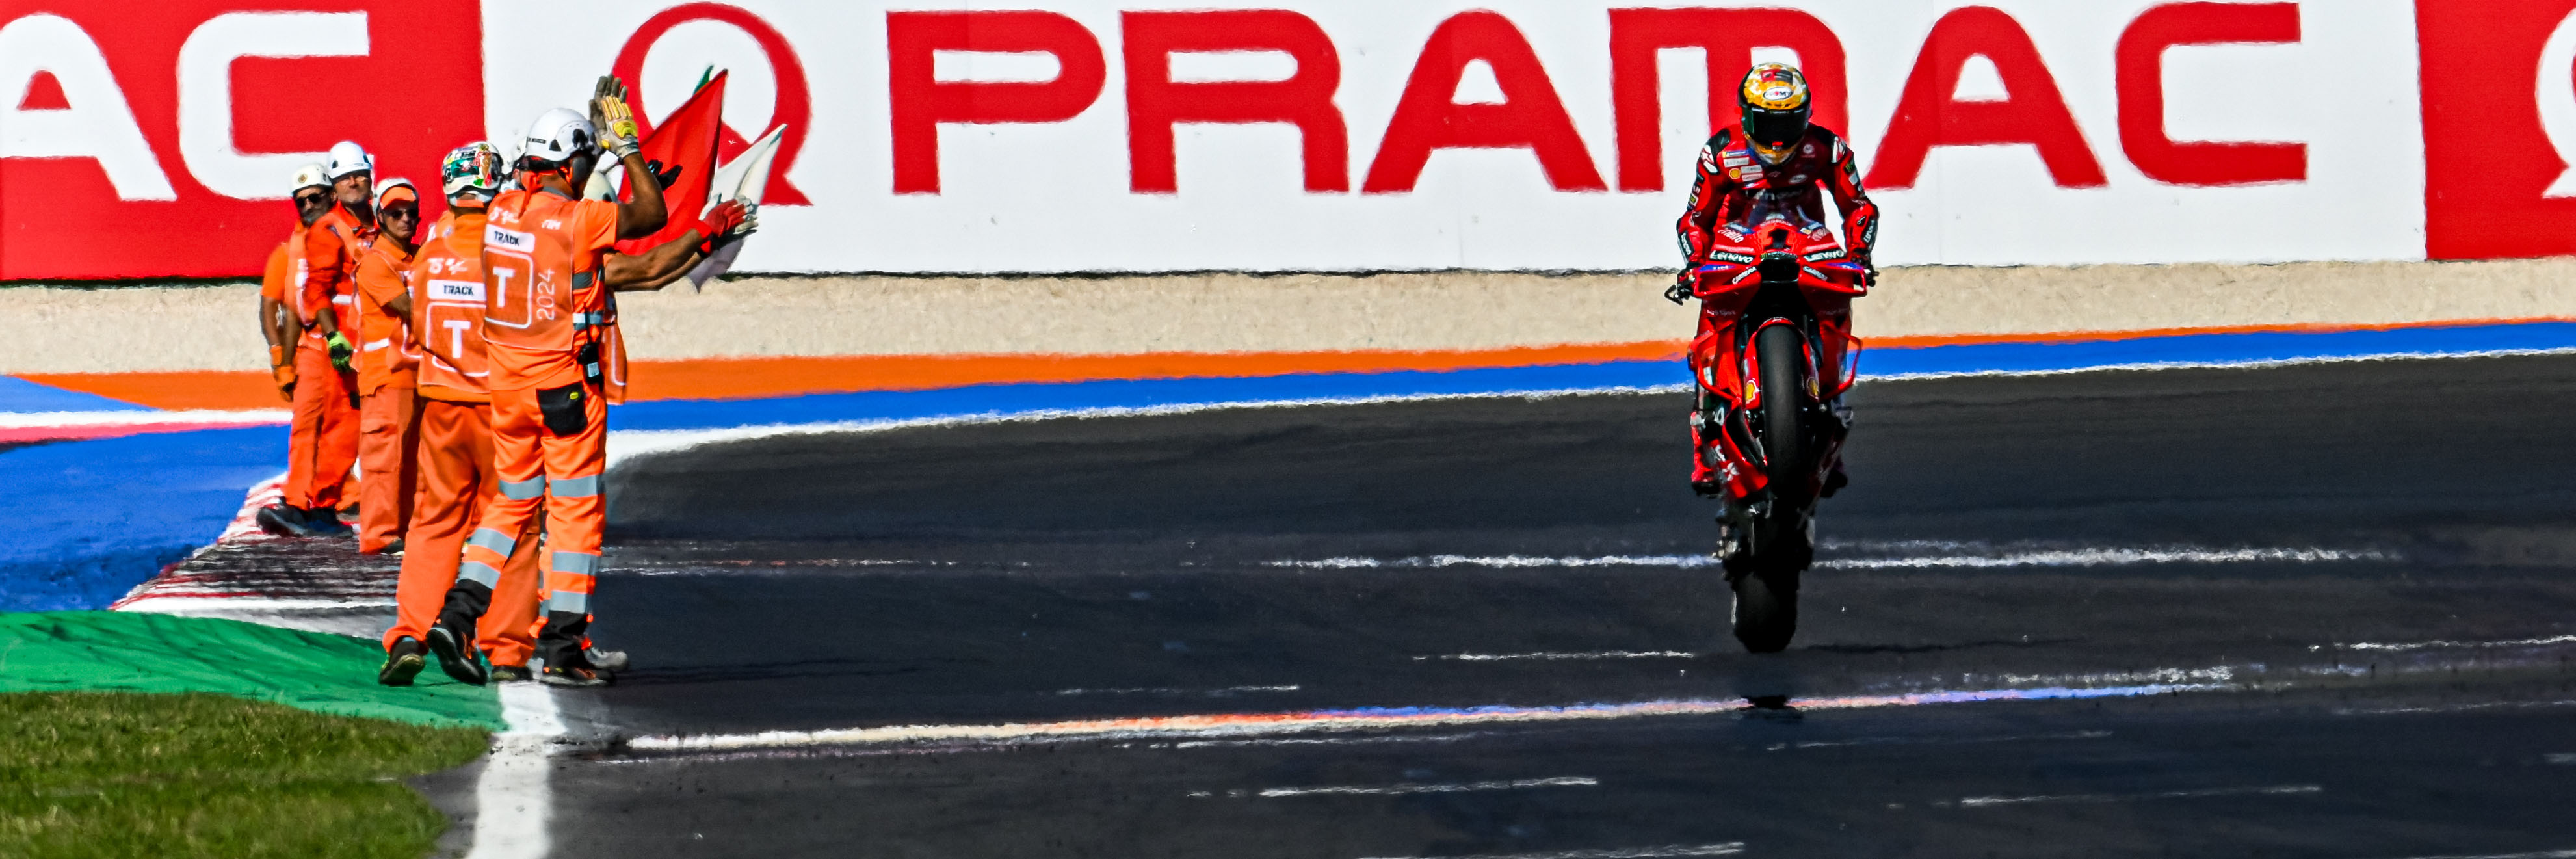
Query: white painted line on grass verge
[512, 801]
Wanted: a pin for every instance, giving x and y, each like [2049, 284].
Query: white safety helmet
[348, 157]
[558, 135]
[309, 176]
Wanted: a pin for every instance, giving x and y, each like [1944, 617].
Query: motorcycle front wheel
[1766, 609]
[1766, 583]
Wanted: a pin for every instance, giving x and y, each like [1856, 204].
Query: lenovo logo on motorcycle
[154, 140]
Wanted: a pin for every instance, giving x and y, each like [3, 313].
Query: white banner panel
[2035, 124]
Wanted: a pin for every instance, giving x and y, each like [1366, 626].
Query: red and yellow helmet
[1776, 106]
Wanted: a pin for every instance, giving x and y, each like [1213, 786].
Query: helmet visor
[1775, 129]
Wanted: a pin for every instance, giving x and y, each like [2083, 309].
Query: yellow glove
[614, 121]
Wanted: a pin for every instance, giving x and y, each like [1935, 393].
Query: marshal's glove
[610, 116]
[283, 370]
[341, 353]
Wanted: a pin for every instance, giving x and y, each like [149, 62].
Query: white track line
[1664, 852]
[2100, 798]
[2372, 646]
[1410, 788]
[1553, 657]
[1936, 741]
[183, 603]
[1169, 690]
[2111, 557]
[2249, 364]
[1500, 561]
[512, 801]
[1222, 725]
[2085, 557]
[185, 417]
[628, 444]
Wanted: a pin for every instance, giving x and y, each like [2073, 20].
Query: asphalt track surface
[2312, 610]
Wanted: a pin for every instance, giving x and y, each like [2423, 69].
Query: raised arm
[644, 213]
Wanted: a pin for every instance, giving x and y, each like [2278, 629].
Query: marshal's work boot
[511, 674]
[403, 661]
[456, 654]
[611, 661]
[575, 676]
[286, 521]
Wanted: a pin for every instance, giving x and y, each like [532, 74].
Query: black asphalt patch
[2337, 597]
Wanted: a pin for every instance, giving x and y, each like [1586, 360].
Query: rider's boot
[1706, 479]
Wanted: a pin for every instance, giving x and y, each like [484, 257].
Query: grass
[99, 774]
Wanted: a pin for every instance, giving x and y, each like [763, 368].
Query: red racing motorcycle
[1772, 360]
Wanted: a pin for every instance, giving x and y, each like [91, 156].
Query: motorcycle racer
[1775, 160]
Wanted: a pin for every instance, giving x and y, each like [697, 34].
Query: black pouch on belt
[588, 355]
[563, 408]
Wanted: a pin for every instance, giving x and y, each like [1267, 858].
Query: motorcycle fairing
[1721, 359]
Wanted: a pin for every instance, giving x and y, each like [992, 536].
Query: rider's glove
[730, 221]
[338, 345]
[667, 176]
[612, 119]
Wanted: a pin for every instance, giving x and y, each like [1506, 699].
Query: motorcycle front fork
[1736, 519]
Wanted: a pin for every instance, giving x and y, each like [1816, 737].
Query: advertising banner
[1333, 135]
[158, 139]
[2500, 125]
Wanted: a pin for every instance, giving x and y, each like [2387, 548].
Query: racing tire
[1784, 438]
[1766, 593]
[1766, 609]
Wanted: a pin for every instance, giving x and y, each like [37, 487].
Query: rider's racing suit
[1733, 182]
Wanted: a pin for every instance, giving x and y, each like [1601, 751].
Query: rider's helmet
[474, 168]
[1776, 106]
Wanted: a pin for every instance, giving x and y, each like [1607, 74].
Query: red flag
[686, 139]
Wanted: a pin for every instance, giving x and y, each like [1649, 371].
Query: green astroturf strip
[114, 651]
[93, 775]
